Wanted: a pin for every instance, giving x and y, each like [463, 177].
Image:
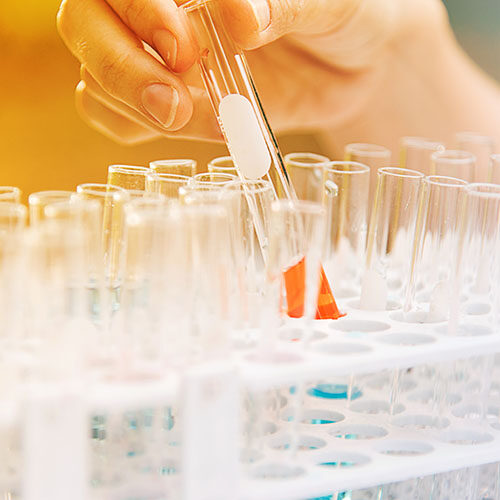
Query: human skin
[370, 70]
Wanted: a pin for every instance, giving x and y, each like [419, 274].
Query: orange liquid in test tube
[295, 278]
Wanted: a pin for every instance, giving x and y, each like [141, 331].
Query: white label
[244, 136]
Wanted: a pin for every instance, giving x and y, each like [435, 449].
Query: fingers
[115, 57]
[105, 120]
[203, 124]
[254, 23]
[162, 25]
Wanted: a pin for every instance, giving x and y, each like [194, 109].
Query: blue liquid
[338, 464]
[334, 391]
[345, 495]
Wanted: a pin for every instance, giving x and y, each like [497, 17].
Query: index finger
[163, 26]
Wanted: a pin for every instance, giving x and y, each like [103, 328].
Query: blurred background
[45, 145]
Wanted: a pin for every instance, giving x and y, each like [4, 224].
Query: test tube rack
[370, 437]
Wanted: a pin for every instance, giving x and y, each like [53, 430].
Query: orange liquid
[295, 278]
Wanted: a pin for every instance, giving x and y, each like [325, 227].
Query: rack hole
[360, 325]
[477, 308]
[316, 417]
[335, 391]
[305, 443]
[338, 348]
[277, 471]
[466, 437]
[359, 432]
[418, 317]
[341, 460]
[276, 357]
[406, 339]
[400, 448]
[468, 411]
[296, 334]
[467, 330]
[375, 407]
[421, 422]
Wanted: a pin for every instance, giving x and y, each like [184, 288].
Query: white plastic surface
[361, 343]
[210, 421]
[55, 441]
[246, 143]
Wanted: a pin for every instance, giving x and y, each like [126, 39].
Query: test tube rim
[443, 182]
[361, 167]
[464, 157]
[423, 142]
[126, 169]
[265, 185]
[472, 190]
[9, 190]
[401, 172]
[93, 188]
[34, 197]
[376, 150]
[475, 137]
[291, 160]
[174, 177]
[179, 162]
[195, 178]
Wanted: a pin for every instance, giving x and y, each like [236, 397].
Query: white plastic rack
[388, 427]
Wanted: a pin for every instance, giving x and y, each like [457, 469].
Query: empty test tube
[177, 167]
[454, 163]
[481, 146]
[390, 238]
[222, 165]
[494, 172]
[416, 152]
[306, 171]
[38, 201]
[127, 176]
[10, 194]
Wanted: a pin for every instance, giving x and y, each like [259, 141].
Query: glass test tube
[482, 255]
[454, 163]
[391, 235]
[166, 184]
[416, 152]
[235, 100]
[223, 165]
[38, 201]
[432, 290]
[494, 172]
[212, 179]
[481, 146]
[177, 167]
[10, 194]
[127, 176]
[347, 220]
[306, 171]
[371, 155]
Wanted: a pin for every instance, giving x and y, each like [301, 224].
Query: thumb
[254, 23]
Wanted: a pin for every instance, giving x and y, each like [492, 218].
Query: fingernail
[262, 12]
[166, 44]
[161, 102]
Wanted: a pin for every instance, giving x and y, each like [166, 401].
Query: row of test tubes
[165, 266]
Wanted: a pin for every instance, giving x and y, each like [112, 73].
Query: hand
[317, 63]
[135, 59]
